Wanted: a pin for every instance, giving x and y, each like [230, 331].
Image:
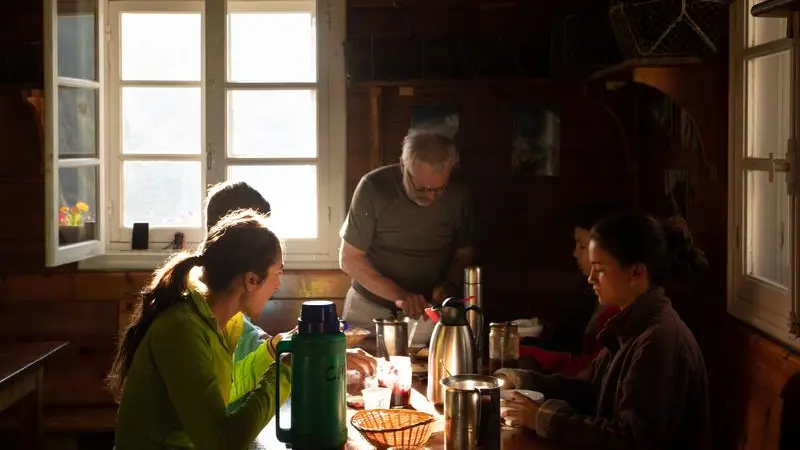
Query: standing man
[409, 234]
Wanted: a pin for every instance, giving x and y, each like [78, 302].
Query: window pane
[161, 120]
[768, 227]
[77, 204]
[162, 193]
[77, 122]
[292, 193]
[273, 47]
[273, 124]
[77, 40]
[769, 105]
[761, 30]
[160, 46]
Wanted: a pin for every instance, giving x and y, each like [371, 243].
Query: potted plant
[71, 223]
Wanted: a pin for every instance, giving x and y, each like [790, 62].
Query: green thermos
[319, 366]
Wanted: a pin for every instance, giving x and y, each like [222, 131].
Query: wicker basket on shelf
[386, 428]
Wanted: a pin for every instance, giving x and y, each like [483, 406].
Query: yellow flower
[64, 209]
[82, 207]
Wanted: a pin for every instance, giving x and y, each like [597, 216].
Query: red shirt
[566, 363]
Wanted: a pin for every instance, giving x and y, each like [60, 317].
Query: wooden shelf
[622, 69]
[775, 8]
[449, 82]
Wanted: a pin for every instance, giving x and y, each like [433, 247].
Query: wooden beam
[375, 150]
[625, 68]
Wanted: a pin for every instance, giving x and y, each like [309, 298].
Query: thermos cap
[318, 317]
[472, 275]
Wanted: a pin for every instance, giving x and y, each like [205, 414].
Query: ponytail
[687, 262]
[165, 289]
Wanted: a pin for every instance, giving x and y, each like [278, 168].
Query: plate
[537, 397]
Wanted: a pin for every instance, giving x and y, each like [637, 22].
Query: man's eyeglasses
[426, 189]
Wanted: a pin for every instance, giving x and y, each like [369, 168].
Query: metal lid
[508, 325]
[472, 275]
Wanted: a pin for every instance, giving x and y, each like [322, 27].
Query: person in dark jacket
[648, 388]
[590, 314]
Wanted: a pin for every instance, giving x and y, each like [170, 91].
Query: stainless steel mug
[472, 412]
[391, 337]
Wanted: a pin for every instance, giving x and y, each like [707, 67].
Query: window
[763, 208]
[73, 125]
[201, 92]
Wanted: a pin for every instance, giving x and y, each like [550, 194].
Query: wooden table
[21, 375]
[512, 438]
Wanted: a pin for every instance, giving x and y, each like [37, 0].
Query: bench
[68, 419]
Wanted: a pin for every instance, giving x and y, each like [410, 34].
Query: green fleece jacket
[179, 385]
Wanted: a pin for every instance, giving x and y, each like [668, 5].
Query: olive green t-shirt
[410, 244]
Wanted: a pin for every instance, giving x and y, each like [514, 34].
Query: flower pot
[70, 234]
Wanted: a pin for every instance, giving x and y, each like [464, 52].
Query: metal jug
[453, 348]
[391, 337]
[472, 412]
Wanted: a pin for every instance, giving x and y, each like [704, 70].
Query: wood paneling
[748, 373]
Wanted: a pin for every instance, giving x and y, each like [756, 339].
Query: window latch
[787, 166]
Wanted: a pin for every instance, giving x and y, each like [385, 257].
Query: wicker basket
[386, 428]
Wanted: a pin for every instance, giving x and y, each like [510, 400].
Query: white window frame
[762, 304]
[56, 254]
[321, 253]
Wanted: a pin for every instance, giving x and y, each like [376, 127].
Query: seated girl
[567, 362]
[174, 367]
[252, 347]
[648, 388]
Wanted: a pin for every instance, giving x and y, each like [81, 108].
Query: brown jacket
[647, 390]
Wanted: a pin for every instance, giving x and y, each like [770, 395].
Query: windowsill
[148, 260]
[761, 320]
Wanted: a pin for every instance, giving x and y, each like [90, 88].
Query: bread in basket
[386, 428]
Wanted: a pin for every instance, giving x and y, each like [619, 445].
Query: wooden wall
[525, 243]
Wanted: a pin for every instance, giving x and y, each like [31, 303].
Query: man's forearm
[360, 269]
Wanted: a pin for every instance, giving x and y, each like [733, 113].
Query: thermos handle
[476, 334]
[283, 434]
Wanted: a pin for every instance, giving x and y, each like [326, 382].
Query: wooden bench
[68, 419]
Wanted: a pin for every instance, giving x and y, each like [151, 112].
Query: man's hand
[358, 359]
[412, 304]
[519, 411]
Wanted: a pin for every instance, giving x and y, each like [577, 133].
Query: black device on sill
[140, 236]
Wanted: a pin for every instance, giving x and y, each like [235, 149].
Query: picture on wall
[537, 140]
[439, 118]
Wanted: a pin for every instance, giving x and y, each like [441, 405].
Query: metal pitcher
[453, 348]
[391, 337]
[472, 412]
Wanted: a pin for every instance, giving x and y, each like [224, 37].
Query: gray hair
[429, 147]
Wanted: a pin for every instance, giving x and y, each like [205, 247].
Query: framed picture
[537, 140]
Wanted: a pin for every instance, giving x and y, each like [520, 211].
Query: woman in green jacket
[173, 370]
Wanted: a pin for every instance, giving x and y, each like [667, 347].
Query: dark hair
[638, 238]
[237, 244]
[586, 215]
[228, 196]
